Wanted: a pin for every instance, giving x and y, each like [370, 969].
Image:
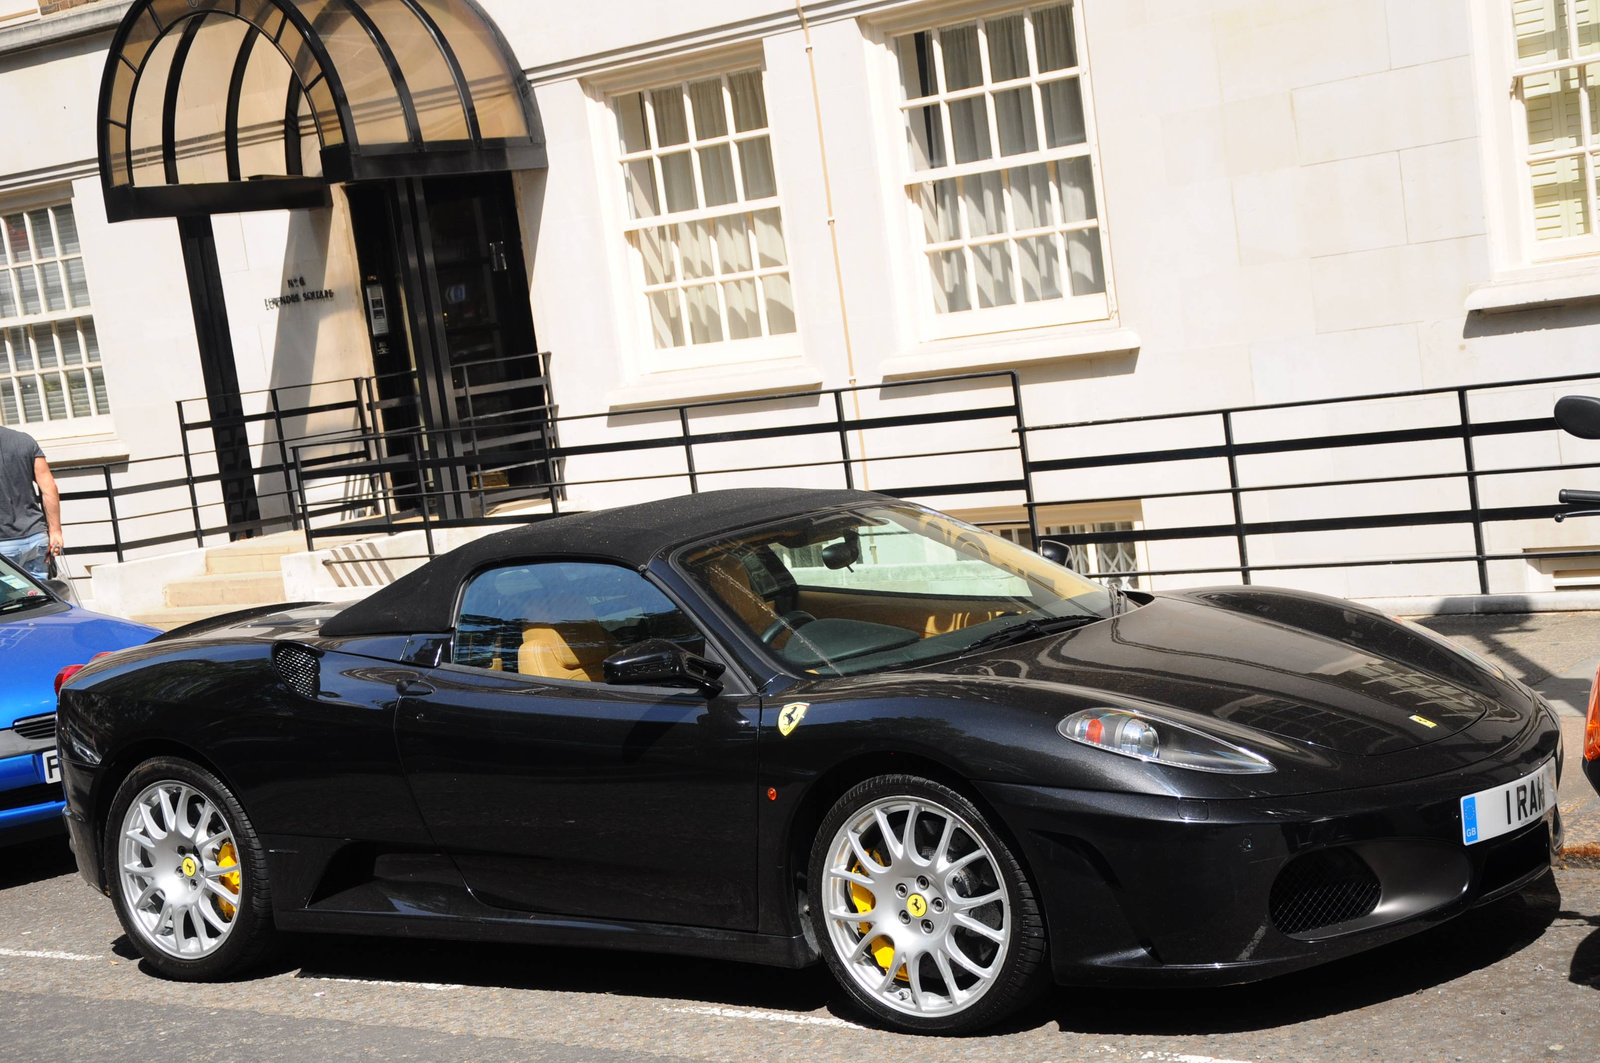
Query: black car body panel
[414, 796]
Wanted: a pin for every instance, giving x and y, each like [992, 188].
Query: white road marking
[46, 954]
[1175, 1057]
[380, 981]
[767, 1016]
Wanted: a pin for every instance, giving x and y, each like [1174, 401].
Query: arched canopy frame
[388, 89]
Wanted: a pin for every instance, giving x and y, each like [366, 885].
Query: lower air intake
[299, 668]
[36, 727]
[1323, 889]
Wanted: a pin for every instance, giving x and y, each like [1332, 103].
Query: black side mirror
[1054, 552]
[657, 661]
[1579, 415]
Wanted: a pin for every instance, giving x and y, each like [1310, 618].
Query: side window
[561, 620]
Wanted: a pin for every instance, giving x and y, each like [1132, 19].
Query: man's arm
[52, 501]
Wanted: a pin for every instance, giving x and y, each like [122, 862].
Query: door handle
[412, 688]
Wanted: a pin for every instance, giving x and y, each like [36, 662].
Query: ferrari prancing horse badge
[791, 716]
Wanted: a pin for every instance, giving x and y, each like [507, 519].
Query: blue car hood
[33, 648]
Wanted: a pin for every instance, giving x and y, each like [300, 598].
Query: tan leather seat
[571, 650]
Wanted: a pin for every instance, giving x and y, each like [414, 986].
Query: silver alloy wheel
[182, 899]
[911, 880]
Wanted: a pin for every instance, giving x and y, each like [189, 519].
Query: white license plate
[1502, 809]
[50, 764]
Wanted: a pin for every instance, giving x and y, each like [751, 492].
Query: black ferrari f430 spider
[783, 726]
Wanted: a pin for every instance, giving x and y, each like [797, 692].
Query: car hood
[1303, 667]
[34, 646]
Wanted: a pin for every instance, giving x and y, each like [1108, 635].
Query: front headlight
[1160, 742]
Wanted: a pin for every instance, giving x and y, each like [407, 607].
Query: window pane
[27, 289]
[769, 238]
[1560, 208]
[672, 126]
[666, 322]
[32, 411]
[1083, 261]
[780, 303]
[43, 239]
[755, 162]
[632, 132]
[8, 302]
[8, 403]
[716, 171]
[963, 69]
[71, 350]
[21, 353]
[744, 315]
[67, 229]
[733, 246]
[1008, 50]
[677, 172]
[91, 342]
[985, 210]
[102, 404]
[1554, 117]
[44, 346]
[1013, 115]
[17, 236]
[925, 135]
[710, 116]
[641, 179]
[940, 221]
[694, 249]
[78, 394]
[705, 317]
[749, 103]
[949, 281]
[991, 274]
[1075, 181]
[969, 129]
[55, 294]
[1037, 261]
[5, 358]
[1030, 197]
[77, 283]
[653, 250]
[915, 52]
[1541, 31]
[1063, 113]
[1052, 38]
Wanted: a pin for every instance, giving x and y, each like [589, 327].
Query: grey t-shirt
[20, 515]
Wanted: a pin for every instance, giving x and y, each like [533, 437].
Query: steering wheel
[793, 619]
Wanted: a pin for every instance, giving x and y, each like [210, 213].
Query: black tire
[1021, 973]
[251, 932]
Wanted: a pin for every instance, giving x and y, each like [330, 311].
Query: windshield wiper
[1032, 629]
[23, 603]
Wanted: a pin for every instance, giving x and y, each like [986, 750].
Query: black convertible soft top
[424, 601]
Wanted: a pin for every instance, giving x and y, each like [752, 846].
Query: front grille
[27, 796]
[299, 668]
[1322, 889]
[36, 727]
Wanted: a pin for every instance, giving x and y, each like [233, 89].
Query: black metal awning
[216, 106]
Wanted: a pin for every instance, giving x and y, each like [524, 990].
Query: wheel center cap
[191, 867]
[917, 905]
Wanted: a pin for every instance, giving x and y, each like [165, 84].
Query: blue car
[41, 632]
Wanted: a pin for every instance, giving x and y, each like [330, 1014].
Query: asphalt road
[1518, 980]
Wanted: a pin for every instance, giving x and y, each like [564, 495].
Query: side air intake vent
[36, 727]
[1323, 889]
[299, 668]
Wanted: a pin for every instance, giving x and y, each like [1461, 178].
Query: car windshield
[882, 587]
[17, 591]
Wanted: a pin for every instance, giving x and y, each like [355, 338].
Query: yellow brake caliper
[228, 857]
[882, 948]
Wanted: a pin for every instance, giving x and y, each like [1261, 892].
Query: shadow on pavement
[36, 861]
[1476, 940]
[1585, 968]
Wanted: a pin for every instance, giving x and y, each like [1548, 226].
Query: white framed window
[1556, 87]
[705, 222]
[49, 352]
[1002, 182]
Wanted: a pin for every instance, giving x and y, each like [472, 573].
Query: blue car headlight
[1130, 734]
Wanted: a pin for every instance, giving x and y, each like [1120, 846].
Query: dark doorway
[459, 379]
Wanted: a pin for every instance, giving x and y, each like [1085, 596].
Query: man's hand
[56, 544]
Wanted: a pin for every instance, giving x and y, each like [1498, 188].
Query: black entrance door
[457, 364]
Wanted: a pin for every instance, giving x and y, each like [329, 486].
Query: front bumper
[1139, 888]
[29, 806]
